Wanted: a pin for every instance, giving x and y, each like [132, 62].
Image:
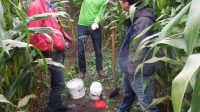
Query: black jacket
[143, 18]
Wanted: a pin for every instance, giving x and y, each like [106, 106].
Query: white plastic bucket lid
[76, 88]
[74, 83]
[96, 86]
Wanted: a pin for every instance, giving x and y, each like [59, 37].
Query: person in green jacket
[89, 19]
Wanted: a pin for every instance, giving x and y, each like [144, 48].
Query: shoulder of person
[35, 5]
[145, 12]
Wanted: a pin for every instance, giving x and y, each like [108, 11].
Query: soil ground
[85, 104]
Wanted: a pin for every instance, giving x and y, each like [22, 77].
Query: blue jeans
[57, 80]
[83, 33]
[131, 90]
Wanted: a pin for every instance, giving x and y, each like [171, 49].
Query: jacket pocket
[59, 43]
[41, 42]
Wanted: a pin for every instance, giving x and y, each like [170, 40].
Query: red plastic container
[100, 104]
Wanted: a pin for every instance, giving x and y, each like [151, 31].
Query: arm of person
[37, 39]
[101, 12]
[32, 10]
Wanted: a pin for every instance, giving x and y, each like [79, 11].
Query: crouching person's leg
[57, 83]
[142, 86]
[128, 95]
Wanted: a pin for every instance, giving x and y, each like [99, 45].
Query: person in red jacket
[55, 51]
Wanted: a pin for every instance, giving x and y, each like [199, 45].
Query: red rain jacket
[39, 40]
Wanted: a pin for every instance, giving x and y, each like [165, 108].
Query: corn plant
[114, 17]
[22, 102]
[19, 67]
[179, 39]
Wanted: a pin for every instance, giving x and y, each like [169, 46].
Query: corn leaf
[40, 17]
[18, 82]
[24, 101]
[157, 59]
[4, 100]
[136, 39]
[181, 81]
[48, 15]
[191, 31]
[168, 28]
[50, 62]
[196, 95]
[10, 44]
[159, 100]
[132, 10]
[41, 55]
[43, 30]
[178, 43]
[1, 19]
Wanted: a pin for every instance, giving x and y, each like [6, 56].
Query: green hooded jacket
[91, 11]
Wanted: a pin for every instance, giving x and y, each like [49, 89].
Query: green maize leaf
[179, 0]
[178, 43]
[192, 28]
[48, 15]
[4, 100]
[157, 59]
[168, 28]
[19, 80]
[49, 61]
[11, 44]
[136, 39]
[132, 10]
[165, 59]
[161, 81]
[40, 17]
[196, 95]
[158, 101]
[181, 81]
[50, 38]
[162, 4]
[41, 55]
[1, 20]
[43, 30]
[2, 59]
[24, 101]
[1, 12]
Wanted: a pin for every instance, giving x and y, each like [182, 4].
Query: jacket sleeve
[101, 11]
[31, 12]
[37, 39]
[144, 54]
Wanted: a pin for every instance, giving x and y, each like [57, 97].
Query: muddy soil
[85, 104]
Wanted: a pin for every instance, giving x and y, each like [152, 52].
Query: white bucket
[76, 88]
[95, 90]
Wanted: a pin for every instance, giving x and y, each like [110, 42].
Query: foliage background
[176, 52]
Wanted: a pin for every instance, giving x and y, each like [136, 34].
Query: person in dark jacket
[133, 83]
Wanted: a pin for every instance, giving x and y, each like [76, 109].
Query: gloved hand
[94, 26]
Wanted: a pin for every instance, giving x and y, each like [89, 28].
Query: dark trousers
[83, 33]
[133, 89]
[57, 81]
